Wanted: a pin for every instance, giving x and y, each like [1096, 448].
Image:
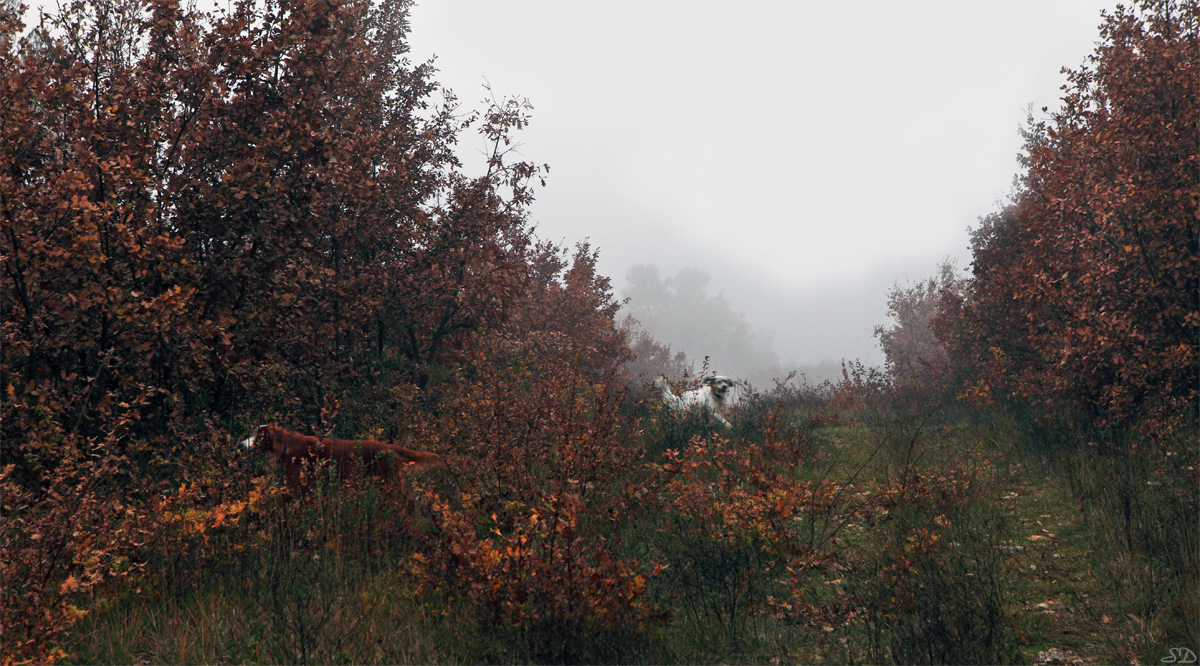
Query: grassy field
[887, 532]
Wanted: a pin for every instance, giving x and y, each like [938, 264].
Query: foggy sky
[807, 155]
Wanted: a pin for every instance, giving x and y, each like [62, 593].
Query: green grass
[368, 620]
[1089, 551]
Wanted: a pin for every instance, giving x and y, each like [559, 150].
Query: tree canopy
[252, 212]
[1085, 287]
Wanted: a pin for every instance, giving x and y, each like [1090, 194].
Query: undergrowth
[832, 531]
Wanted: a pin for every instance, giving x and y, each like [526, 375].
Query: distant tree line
[679, 310]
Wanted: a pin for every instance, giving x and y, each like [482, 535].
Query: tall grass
[1139, 507]
[843, 524]
[323, 581]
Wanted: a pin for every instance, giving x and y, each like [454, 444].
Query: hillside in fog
[684, 312]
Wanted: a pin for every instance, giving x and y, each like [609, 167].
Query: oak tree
[1084, 290]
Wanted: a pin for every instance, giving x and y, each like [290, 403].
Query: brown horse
[295, 452]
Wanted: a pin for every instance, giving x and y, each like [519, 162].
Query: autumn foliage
[238, 217]
[213, 221]
[1084, 290]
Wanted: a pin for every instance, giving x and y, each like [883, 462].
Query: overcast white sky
[807, 154]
